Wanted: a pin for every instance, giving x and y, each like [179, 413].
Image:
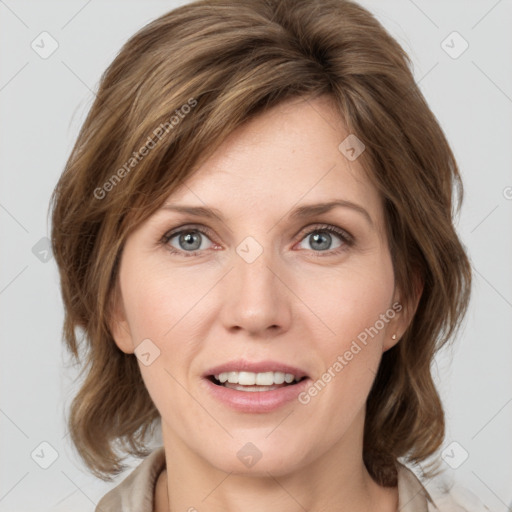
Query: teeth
[259, 379]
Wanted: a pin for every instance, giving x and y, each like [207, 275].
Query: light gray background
[44, 101]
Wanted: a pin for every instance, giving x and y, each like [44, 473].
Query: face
[266, 284]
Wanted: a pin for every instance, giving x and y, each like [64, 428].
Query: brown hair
[227, 61]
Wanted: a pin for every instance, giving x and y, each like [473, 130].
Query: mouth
[255, 386]
[255, 382]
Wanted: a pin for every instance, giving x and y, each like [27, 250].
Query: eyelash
[346, 238]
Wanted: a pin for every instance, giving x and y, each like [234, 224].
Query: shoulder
[136, 492]
[436, 495]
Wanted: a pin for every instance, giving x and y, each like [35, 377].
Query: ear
[404, 313]
[118, 324]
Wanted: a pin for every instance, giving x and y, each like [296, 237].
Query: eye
[320, 239]
[191, 240]
[188, 241]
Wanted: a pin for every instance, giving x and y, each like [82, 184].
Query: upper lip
[242, 365]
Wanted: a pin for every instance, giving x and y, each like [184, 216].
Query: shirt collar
[136, 492]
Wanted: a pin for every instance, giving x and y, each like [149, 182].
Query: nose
[257, 300]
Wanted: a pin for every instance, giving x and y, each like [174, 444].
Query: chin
[259, 457]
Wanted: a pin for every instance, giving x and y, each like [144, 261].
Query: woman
[254, 235]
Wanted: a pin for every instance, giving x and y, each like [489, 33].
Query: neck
[335, 481]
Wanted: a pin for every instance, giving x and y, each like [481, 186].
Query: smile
[255, 398]
[255, 382]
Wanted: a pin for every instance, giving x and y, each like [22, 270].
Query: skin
[289, 305]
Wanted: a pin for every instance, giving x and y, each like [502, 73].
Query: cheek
[157, 308]
[157, 301]
[354, 309]
[350, 300]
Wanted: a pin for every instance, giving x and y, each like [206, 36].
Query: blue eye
[191, 240]
[321, 239]
[187, 240]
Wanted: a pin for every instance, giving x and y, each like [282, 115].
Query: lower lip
[256, 401]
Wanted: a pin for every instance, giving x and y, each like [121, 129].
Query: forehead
[287, 156]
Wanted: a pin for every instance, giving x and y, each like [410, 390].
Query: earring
[393, 337]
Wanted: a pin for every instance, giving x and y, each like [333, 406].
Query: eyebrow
[310, 210]
[301, 212]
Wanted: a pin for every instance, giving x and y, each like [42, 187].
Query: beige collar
[136, 492]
